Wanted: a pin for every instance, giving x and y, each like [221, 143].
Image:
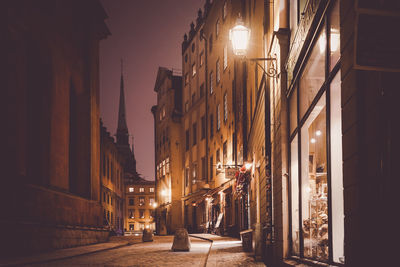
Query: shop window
[334, 36]
[313, 75]
[316, 169]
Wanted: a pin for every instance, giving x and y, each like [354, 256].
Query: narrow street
[206, 250]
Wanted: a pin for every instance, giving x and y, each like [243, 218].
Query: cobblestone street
[206, 250]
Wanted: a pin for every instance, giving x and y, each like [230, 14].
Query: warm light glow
[313, 140]
[219, 166]
[163, 192]
[248, 165]
[318, 133]
[155, 205]
[239, 35]
[335, 40]
[322, 44]
[147, 227]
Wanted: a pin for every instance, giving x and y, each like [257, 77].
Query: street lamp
[240, 36]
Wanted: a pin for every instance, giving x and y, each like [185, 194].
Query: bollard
[147, 235]
[181, 240]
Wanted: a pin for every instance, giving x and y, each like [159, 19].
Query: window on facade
[203, 127]
[194, 69]
[225, 152]
[141, 214]
[166, 166]
[224, 10]
[141, 190]
[334, 36]
[211, 82]
[186, 78]
[211, 126]
[202, 90]
[193, 98]
[218, 156]
[187, 140]
[163, 170]
[186, 106]
[316, 164]
[194, 133]
[131, 214]
[201, 58]
[218, 118]
[203, 168]
[141, 201]
[131, 189]
[186, 58]
[210, 43]
[225, 106]
[211, 167]
[218, 72]
[151, 201]
[131, 202]
[194, 172]
[151, 190]
[217, 28]
[193, 47]
[225, 57]
[187, 176]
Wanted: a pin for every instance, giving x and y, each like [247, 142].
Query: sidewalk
[66, 253]
[227, 251]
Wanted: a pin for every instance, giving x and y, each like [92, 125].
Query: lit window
[194, 69]
[218, 71]
[141, 201]
[218, 118]
[131, 189]
[151, 189]
[166, 168]
[217, 28]
[131, 214]
[201, 59]
[141, 216]
[151, 201]
[225, 107]
[211, 82]
[225, 57]
[141, 190]
[224, 10]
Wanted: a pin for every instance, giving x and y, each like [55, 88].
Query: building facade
[112, 182]
[52, 141]
[139, 206]
[168, 150]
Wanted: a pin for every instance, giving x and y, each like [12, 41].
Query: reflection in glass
[337, 171]
[314, 184]
[293, 110]
[314, 74]
[334, 35]
[294, 185]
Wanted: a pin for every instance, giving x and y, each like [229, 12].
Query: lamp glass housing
[240, 36]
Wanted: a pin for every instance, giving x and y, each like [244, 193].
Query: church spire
[122, 129]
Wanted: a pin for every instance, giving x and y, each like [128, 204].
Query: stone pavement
[227, 251]
[207, 250]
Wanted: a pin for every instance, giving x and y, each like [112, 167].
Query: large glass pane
[334, 35]
[294, 187]
[314, 74]
[293, 110]
[337, 172]
[314, 187]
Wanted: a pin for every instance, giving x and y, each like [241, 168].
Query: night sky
[146, 34]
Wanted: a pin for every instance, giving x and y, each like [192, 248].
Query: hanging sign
[230, 173]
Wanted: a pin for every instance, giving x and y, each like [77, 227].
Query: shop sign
[230, 173]
[300, 36]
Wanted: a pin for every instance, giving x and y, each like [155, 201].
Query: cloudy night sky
[146, 35]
